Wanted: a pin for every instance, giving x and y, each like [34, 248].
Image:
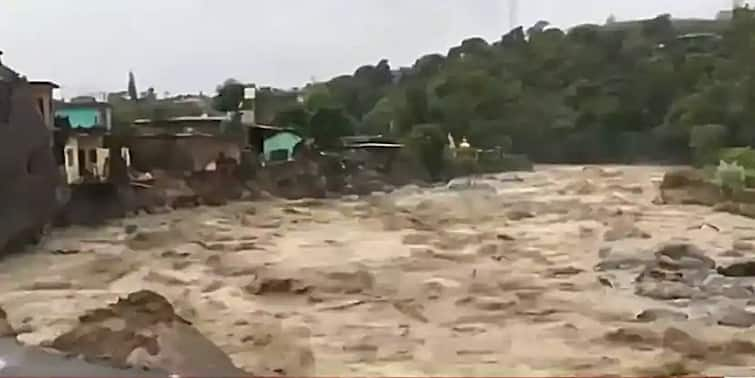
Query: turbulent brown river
[497, 277]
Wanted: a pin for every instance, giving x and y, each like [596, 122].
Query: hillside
[625, 92]
[681, 25]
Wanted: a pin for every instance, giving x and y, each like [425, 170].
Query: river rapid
[493, 276]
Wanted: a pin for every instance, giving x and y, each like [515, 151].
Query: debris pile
[143, 330]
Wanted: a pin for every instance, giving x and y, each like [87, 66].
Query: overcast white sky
[183, 46]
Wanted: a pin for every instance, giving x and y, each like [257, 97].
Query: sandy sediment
[570, 271]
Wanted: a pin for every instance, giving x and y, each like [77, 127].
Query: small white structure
[247, 105]
[86, 160]
[451, 142]
[464, 143]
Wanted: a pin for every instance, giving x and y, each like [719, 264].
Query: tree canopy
[621, 92]
[229, 97]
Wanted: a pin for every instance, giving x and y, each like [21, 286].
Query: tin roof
[145, 121]
[271, 127]
[61, 105]
[176, 135]
[375, 145]
[44, 82]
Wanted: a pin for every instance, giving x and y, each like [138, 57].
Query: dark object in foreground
[28, 174]
[150, 334]
[688, 187]
[17, 360]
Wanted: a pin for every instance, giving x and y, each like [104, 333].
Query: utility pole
[736, 4]
[513, 14]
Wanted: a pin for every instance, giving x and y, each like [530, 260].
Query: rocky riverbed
[569, 270]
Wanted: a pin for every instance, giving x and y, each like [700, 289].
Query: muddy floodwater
[568, 270]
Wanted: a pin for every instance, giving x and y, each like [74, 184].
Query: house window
[41, 105]
[5, 102]
[69, 157]
[93, 155]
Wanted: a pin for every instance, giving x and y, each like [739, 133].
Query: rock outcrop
[143, 330]
[28, 173]
[677, 272]
[689, 187]
[24, 361]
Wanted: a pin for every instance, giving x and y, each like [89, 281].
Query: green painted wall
[82, 117]
[281, 141]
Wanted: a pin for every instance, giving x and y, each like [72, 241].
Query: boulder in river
[683, 256]
[615, 258]
[678, 271]
[144, 330]
[667, 290]
[654, 314]
[29, 361]
[689, 187]
[737, 317]
[739, 269]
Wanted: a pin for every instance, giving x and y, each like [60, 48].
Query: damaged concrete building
[182, 144]
[192, 159]
[84, 148]
[28, 176]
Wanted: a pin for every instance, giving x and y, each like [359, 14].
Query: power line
[513, 14]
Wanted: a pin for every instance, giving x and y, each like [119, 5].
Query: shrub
[428, 142]
[463, 166]
[744, 156]
[492, 163]
[730, 177]
[706, 141]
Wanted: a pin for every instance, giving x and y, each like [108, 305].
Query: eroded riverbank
[499, 280]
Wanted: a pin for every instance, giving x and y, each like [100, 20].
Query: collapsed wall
[28, 174]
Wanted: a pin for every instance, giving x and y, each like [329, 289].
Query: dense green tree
[619, 92]
[379, 120]
[229, 96]
[428, 65]
[429, 141]
[328, 125]
[125, 111]
[318, 96]
[296, 117]
[707, 141]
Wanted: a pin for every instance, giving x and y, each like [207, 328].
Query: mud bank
[451, 280]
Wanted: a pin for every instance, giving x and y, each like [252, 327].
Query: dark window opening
[59, 154]
[93, 155]
[82, 160]
[279, 155]
[5, 102]
[41, 105]
[71, 158]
